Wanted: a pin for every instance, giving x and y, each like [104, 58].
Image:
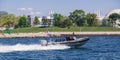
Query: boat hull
[73, 43]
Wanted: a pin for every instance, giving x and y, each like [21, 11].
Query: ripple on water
[97, 48]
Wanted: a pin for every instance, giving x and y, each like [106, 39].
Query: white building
[99, 16]
[49, 17]
[113, 11]
[117, 22]
[31, 20]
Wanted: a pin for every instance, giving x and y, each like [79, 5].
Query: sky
[42, 7]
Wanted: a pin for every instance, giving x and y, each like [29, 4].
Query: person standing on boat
[69, 38]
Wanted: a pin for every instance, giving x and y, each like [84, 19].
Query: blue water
[97, 48]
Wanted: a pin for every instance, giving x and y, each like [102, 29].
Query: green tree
[45, 21]
[7, 18]
[105, 22]
[67, 23]
[92, 19]
[58, 19]
[61, 21]
[23, 22]
[113, 17]
[36, 21]
[78, 17]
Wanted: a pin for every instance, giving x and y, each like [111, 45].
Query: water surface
[97, 48]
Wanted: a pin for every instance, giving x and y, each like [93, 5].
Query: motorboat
[70, 41]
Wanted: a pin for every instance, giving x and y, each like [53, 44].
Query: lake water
[97, 48]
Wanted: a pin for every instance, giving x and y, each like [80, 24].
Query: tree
[45, 21]
[2, 13]
[23, 22]
[105, 22]
[67, 22]
[8, 18]
[78, 17]
[61, 21]
[36, 21]
[92, 19]
[113, 17]
[58, 19]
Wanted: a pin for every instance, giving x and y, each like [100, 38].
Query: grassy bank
[71, 29]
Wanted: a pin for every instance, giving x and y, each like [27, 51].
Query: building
[30, 19]
[117, 22]
[101, 20]
[113, 11]
[99, 16]
[50, 19]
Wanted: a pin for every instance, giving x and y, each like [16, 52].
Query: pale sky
[42, 7]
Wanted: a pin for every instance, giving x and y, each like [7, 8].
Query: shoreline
[45, 34]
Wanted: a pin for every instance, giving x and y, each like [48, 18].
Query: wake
[21, 47]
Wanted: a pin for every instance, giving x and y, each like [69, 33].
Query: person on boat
[69, 38]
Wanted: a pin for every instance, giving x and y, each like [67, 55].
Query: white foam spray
[21, 47]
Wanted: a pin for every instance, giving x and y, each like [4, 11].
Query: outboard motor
[43, 42]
